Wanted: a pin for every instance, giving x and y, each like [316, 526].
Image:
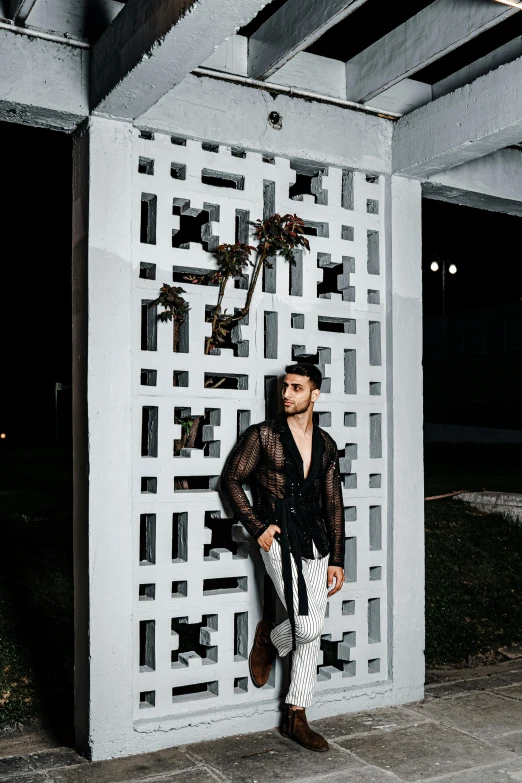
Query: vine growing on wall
[277, 235]
[231, 261]
[175, 308]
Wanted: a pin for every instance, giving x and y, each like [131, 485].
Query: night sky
[36, 306]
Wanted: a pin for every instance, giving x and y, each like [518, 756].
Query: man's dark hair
[308, 370]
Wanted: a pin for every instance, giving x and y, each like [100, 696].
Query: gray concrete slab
[511, 691]
[197, 775]
[451, 675]
[511, 742]
[370, 721]
[194, 775]
[58, 757]
[485, 715]
[498, 773]
[423, 751]
[428, 740]
[363, 775]
[268, 756]
[13, 765]
[145, 765]
[22, 741]
[442, 690]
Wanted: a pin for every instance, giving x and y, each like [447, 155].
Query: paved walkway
[468, 729]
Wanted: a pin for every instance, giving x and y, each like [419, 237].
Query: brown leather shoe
[262, 654]
[295, 727]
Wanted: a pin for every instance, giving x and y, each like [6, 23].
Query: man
[298, 521]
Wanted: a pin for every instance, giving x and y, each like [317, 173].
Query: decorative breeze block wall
[198, 580]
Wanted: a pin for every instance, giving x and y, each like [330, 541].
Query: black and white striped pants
[307, 627]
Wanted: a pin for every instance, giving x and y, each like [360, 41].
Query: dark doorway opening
[472, 317]
[36, 576]
[472, 363]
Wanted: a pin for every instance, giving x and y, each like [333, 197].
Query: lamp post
[452, 269]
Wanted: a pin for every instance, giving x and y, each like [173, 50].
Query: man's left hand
[337, 573]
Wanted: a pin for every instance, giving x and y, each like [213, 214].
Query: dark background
[473, 356]
[484, 246]
[36, 272]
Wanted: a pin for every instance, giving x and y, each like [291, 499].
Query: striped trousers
[307, 627]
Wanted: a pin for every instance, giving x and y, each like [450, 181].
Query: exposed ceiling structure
[76, 19]
[395, 61]
[449, 71]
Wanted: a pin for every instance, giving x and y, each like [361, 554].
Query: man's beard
[302, 409]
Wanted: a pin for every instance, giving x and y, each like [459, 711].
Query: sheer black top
[267, 454]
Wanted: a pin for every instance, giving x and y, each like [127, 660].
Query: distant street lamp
[452, 269]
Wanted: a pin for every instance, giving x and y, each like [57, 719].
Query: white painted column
[406, 476]
[104, 680]
[112, 718]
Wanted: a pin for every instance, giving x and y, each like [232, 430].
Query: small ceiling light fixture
[275, 120]
[3, 436]
[452, 269]
[511, 3]
[434, 266]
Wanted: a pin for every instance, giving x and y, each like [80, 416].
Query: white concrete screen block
[175, 582]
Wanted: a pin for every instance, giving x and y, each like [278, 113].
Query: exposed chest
[300, 459]
[304, 447]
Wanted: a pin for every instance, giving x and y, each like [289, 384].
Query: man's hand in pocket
[265, 540]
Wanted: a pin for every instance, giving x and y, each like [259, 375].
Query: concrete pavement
[468, 729]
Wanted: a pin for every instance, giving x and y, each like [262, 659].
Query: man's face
[298, 394]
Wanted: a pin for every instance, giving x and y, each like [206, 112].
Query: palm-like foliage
[176, 308]
[278, 235]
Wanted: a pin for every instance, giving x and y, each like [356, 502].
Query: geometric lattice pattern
[199, 583]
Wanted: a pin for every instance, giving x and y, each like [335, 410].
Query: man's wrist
[260, 532]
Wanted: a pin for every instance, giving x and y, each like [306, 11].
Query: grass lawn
[36, 589]
[473, 560]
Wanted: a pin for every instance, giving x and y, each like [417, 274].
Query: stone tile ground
[468, 729]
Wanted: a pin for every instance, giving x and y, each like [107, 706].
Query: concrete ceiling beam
[23, 9]
[225, 113]
[429, 35]
[504, 54]
[294, 27]
[152, 45]
[82, 19]
[474, 120]
[493, 182]
[43, 83]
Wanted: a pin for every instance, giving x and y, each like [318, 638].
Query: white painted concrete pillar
[406, 477]
[102, 359]
[372, 405]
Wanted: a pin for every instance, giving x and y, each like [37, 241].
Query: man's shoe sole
[304, 745]
[256, 684]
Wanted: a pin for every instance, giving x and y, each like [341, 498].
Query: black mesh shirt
[268, 456]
